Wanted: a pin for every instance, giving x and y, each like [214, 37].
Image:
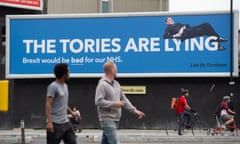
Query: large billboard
[151, 44]
[27, 4]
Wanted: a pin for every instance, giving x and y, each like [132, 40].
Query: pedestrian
[109, 100]
[58, 125]
[75, 120]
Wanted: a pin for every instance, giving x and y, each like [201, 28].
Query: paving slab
[125, 136]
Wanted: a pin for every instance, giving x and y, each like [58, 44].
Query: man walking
[109, 100]
[58, 125]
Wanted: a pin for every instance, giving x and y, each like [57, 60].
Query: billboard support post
[231, 43]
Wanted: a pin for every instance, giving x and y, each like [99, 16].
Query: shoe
[220, 39]
[220, 48]
[179, 134]
[188, 126]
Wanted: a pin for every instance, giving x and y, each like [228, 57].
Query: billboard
[150, 44]
[27, 4]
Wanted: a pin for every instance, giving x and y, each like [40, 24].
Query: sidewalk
[125, 135]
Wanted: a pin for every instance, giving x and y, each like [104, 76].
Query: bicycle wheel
[201, 126]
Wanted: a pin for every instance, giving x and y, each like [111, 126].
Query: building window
[104, 6]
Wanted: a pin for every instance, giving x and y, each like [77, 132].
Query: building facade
[96, 6]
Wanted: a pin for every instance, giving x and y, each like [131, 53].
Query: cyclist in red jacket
[183, 110]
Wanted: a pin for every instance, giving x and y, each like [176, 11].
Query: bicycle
[221, 129]
[200, 125]
[195, 124]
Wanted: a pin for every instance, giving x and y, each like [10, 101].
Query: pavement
[14, 136]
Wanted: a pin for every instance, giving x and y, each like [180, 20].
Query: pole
[22, 131]
[231, 43]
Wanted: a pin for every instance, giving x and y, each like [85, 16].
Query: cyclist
[225, 113]
[183, 110]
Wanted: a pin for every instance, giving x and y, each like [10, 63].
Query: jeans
[62, 132]
[109, 135]
[181, 117]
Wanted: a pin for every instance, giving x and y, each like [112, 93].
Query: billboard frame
[134, 14]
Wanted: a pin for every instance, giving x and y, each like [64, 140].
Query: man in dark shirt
[185, 31]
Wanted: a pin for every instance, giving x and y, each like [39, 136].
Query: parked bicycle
[196, 125]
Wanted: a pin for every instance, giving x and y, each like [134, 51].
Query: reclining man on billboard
[185, 31]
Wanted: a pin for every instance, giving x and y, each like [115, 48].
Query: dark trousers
[63, 132]
[181, 118]
[200, 30]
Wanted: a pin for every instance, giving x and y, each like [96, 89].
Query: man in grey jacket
[109, 100]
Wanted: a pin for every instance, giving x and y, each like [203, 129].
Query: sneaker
[224, 126]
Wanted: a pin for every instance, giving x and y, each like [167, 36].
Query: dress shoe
[220, 48]
[221, 39]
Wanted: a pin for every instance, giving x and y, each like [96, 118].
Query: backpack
[174, 103]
